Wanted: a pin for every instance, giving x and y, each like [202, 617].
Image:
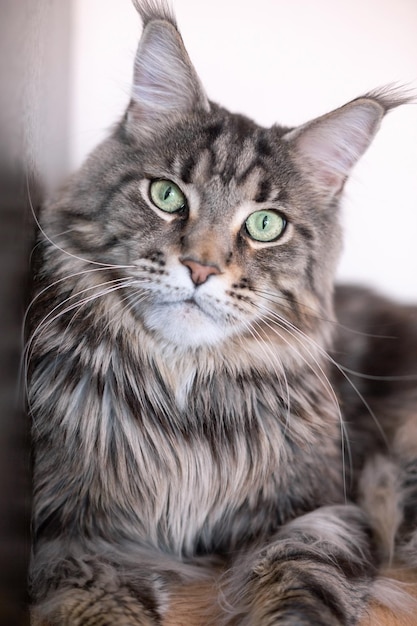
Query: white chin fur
[185, 325]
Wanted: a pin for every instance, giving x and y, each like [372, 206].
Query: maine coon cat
[195, 404]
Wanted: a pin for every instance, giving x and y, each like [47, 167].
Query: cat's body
[184, 415]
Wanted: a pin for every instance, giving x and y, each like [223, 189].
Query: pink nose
[199, 272]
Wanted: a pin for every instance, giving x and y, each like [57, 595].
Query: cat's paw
[93, 607]
[317, 570]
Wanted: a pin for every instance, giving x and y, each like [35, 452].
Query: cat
[196, 407]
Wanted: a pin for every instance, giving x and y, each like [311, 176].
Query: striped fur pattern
[180, 374]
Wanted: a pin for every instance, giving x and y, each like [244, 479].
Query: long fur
[189, 430]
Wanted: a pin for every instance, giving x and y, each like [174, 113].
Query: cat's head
[226, 229]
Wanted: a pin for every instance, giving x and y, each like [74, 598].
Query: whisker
[282, 300]
[377, 377]
[53, 243]
[78, 306]
[350, 382]
[23, 361]
[342, 370]
[75, 295]
[278, 298]
[109, 322]
[280, 376]
[324, 379]
[39, 242]
[345, 371]
[291, 329]
[283, 376]
[139, 297]
[286, 325]
[85, 301]
[46, 322]
[67, 277]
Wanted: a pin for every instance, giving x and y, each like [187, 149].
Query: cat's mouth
[186, 323]
[192, 302]
[191, 305]
[196, 310]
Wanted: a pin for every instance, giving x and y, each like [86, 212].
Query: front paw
[317, 570]
[92, 607]
[292, 600]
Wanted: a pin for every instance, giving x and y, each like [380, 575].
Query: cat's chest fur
[166, 451]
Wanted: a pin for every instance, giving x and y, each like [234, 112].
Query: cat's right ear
[327, 148]
[165, 83]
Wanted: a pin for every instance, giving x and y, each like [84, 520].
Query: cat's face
[229, 244]
[220, 234]
[225, 229]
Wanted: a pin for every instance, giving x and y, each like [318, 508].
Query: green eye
[265, 226]
[167, 196]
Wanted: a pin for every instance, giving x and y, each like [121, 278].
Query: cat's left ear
[165, 83]
[327, 148]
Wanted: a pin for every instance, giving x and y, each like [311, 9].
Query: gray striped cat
[195, 407]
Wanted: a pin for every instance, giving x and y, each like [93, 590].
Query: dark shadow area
[16, 236]
[34, 121]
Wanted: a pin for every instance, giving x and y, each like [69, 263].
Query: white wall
[284, 61]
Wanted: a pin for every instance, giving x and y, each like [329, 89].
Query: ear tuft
[165, 84]
[391, 96]
[327, 148]
[150, 10]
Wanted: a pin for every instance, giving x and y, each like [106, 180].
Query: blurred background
[65, 72]
[35, 80]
